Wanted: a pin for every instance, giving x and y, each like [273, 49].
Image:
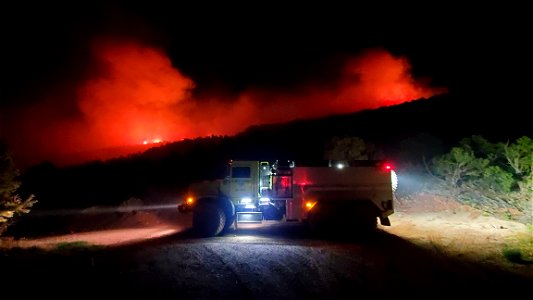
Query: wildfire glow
[137, 94]
[154, 141]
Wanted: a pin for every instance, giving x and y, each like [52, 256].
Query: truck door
[244, 182]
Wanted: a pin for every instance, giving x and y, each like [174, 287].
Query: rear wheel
[365, 219]
[343, 219]
[318, 219]
[208, 219]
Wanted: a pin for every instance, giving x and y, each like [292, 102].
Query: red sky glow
[136, 96]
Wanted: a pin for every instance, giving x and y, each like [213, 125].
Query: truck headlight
[264, 201]
[246, 200]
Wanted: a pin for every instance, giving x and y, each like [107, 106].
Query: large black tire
[228, 223]
[368, 221]
[338, 219]
[208, 219]
[318, 219]
[314, 223]
[361, 219]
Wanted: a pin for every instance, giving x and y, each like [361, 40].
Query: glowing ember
[154, 141]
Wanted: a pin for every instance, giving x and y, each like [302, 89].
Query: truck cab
[243, 187]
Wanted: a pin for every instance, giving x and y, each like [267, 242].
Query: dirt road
[423, 253]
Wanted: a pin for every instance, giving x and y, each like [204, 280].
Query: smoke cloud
[134, 97]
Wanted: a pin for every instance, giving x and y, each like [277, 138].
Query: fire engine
[354, 194]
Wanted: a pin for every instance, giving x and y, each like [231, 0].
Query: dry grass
[452, 229]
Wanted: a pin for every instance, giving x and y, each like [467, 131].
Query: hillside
[403, 133]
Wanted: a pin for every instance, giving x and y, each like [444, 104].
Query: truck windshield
[240, 172]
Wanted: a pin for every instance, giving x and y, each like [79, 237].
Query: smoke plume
[134, 96]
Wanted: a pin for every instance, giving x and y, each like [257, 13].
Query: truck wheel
[336, 219]
[317, 222]
[366, 219]
[313, 223]
[228, 223]
[208, 219]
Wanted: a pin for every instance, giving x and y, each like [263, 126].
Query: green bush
[11, 204]
[458, 165]
[499, 174]
[496, 179]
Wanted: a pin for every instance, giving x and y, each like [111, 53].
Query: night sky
[96, 75]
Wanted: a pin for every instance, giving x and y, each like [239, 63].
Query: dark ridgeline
[404, 131]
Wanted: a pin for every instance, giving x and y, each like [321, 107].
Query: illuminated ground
[436, 245]
[427, 220]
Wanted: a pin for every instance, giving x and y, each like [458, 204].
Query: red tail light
[387, 167]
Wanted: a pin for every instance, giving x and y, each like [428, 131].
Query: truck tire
[365, 219]
[313, 223]
[208, 219]
[228, 223]
[342, 219]
[229, 211]
[317, 221]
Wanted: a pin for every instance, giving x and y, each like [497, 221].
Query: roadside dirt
[457, 230]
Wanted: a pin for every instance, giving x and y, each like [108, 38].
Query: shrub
[11, 204]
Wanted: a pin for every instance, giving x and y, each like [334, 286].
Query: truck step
[249, 217]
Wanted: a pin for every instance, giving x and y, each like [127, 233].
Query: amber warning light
[309, 204]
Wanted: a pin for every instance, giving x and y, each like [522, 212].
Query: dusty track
[446, 250]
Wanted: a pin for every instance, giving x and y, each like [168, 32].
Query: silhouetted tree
[347, 149]
[11, 204]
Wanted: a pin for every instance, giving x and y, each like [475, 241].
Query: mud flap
[384, 221]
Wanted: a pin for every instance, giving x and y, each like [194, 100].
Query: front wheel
[228, 223]
[208, 219]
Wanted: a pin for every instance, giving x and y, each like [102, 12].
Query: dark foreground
[266, 263]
